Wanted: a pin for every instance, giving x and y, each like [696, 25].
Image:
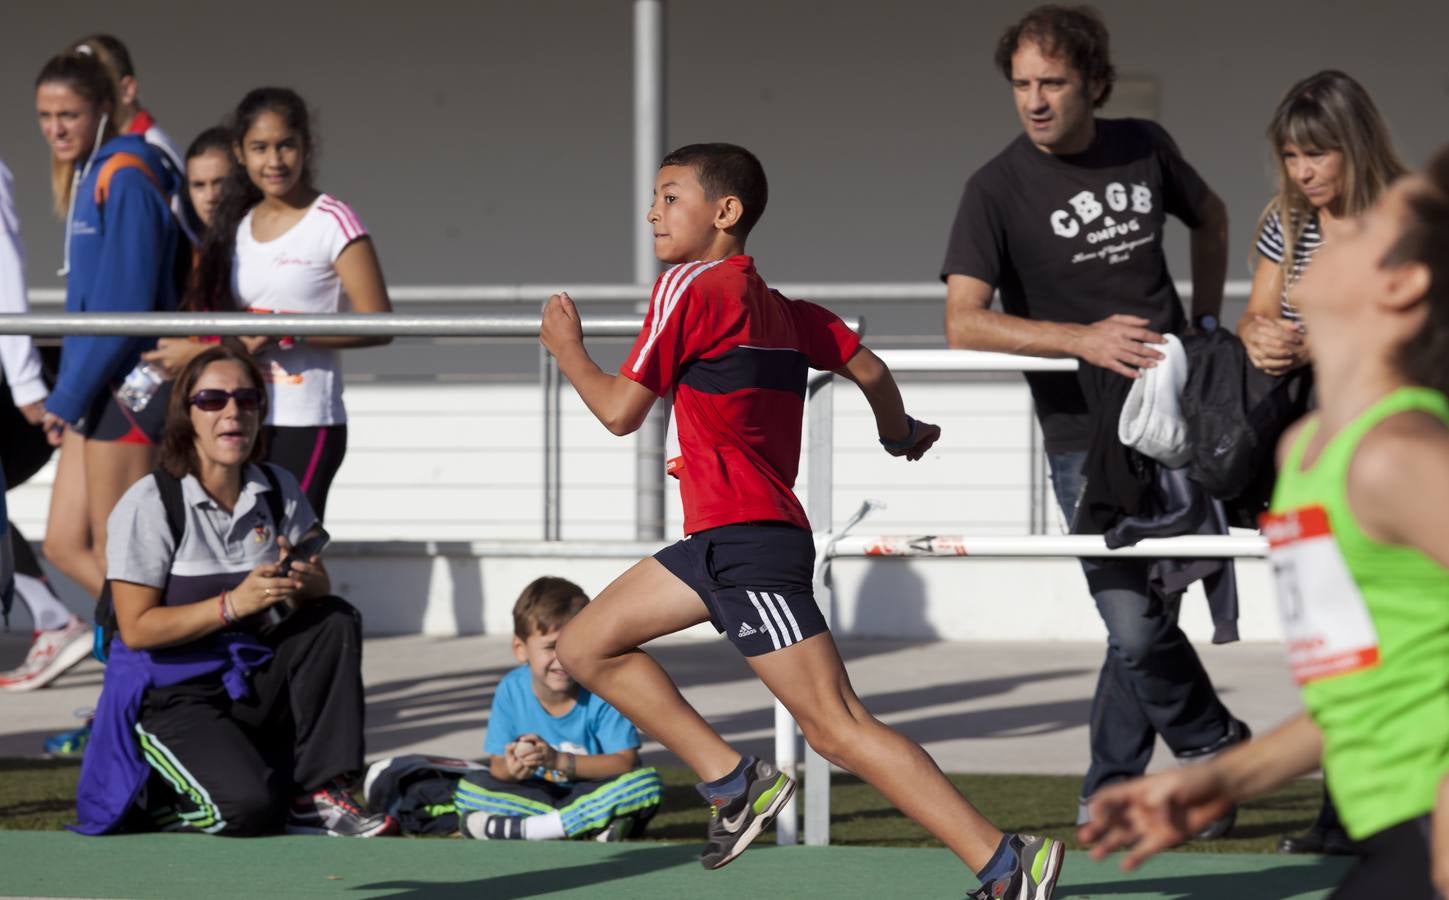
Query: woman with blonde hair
[1333, 160]
[120, 246]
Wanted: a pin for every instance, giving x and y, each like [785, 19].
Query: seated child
[563, 763]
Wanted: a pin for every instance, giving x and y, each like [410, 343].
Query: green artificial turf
[38, 795]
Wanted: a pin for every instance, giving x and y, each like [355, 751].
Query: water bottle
[140, 386]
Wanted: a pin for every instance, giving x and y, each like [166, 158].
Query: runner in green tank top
[1359, 537]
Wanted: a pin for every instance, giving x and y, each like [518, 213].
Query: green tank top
[1366, 627]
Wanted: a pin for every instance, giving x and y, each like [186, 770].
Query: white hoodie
[18, 356]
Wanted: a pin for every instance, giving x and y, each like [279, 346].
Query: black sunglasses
[214, 399]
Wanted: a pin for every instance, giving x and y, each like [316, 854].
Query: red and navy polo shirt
[736, 355]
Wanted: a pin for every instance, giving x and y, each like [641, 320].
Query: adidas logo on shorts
[746, 629]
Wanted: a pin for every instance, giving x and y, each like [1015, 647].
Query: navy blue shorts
[756, 580]
[109, 419]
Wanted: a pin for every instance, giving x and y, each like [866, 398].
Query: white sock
[46, 610]
[546, 827]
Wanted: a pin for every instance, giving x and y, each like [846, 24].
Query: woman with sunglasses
[233, 691]
[1359, 538]
[279, 245]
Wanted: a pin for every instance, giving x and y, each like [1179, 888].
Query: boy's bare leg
[600, 648]
[810, 679]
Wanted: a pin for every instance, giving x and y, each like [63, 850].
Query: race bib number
[1326, 623]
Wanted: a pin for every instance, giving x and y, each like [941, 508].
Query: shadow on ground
[1264, 884]
[543, 882]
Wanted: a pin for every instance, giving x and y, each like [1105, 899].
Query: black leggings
[1395, 864]
[313, 455]
[23, 449]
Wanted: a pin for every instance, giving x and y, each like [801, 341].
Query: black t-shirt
[1076, 239]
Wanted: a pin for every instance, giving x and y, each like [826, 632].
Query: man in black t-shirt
[1067, 224]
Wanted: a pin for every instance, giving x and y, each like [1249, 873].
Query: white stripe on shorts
[769, 601]
[794, 626]
[768, 625]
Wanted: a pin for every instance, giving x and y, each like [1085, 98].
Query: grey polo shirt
[218, 547]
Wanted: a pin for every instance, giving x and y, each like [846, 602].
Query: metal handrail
[820, 292]
[180, 324]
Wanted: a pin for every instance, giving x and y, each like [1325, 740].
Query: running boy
[563, 762]
[734, 354]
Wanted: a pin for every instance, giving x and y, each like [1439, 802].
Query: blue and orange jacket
[121, 249]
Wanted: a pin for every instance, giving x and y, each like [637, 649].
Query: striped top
[1270, 245]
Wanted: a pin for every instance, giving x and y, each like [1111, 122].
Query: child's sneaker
[483, 826]
[741, 819]
[1034, 877]
[332, 811]
[51, 654]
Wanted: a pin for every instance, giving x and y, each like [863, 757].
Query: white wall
[462, 462]
[432, 469]
[490, 141]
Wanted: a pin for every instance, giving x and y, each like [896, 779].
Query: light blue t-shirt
[592, 727]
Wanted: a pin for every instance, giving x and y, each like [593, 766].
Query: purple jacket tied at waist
[112, 771]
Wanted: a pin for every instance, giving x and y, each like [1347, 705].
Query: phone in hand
[311, 544]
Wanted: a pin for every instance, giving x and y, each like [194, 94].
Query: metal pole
[1048, 546]
[820, 292]
[787, 822]
[181, 324]
[648, 150]
[821, 415]
[1033, 474]
[548, 377]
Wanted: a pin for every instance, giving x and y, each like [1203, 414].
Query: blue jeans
[1152, 681]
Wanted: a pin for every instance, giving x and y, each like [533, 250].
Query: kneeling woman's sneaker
[333, 812]
[740, 819]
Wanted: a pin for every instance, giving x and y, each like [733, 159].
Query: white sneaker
[51, 654]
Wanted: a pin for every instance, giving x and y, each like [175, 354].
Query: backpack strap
[276, 503]
[116, 163]
[169, 487]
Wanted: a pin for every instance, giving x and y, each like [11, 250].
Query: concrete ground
[1000, 707]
